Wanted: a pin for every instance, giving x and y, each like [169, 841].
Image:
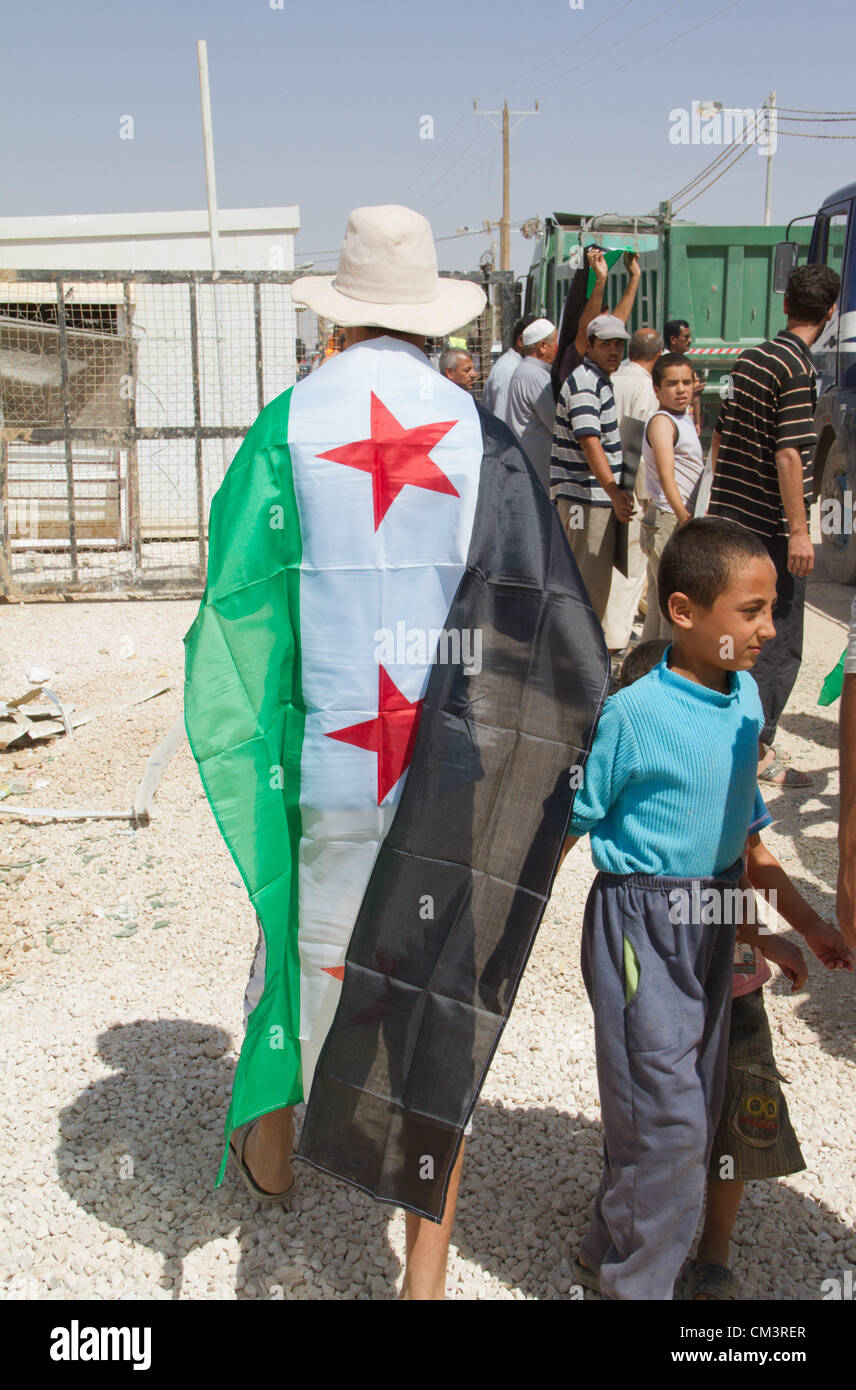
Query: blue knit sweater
[670, 784]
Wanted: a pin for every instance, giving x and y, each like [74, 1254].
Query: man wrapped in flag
[391, 687]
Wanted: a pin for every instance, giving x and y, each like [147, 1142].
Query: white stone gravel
[123, 959]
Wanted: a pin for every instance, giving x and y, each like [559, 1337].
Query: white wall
[250, 239]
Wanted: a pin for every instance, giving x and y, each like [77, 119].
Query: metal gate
[123, 399]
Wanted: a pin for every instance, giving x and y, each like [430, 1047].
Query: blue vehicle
[833, 243]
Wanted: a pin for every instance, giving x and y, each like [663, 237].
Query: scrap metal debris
[140, 814]
[18, 728]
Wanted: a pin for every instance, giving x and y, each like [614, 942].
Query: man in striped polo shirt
[762, 449]
[585, 472]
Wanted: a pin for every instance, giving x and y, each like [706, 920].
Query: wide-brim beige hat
[387, 278]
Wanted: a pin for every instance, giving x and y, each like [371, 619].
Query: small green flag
[611, 257]
[833, 684]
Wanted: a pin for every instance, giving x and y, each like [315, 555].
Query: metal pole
[257, 326]
[66, 418]
[134, 518]
[505, 231]
[771, 117]
[213, 220]
[8, 587]
[208, 142]
[197, 419]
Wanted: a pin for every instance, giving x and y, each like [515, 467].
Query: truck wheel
[836, 519]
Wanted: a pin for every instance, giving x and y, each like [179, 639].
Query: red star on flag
[396, 457]
[391, 734]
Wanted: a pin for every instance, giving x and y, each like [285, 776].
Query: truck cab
[833, 243]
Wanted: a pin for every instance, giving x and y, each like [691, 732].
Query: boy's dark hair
[700, 557]
[812, 290]
[640, 661]
[667, 360]
[672, 329]
[519, 326]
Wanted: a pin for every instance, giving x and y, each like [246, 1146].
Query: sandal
[792, 778]
[237, 1153]
[779, 753]
[714, 1280]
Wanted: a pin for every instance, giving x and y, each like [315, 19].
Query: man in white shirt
[635, 399]
[531, 410]
[495, 394]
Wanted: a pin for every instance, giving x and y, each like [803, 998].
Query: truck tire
[837, 529]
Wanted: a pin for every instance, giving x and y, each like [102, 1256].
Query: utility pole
[771, 136]
[505, 222]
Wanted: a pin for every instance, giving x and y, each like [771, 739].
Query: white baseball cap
[537, 332]
[607, 326]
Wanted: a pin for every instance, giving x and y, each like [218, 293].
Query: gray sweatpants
[661, 1061]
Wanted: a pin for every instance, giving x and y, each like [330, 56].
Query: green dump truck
[720, 279]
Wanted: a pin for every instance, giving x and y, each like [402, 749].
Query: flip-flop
[792, 777]
[715, 1280]
[237, 1153]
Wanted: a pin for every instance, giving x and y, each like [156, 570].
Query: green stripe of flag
[246, 731]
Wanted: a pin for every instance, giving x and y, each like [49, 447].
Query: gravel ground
[121, 1004]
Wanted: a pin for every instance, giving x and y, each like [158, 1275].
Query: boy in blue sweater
[755, 1137]
[669, 799]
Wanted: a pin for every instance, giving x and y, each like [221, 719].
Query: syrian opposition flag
[391, 686]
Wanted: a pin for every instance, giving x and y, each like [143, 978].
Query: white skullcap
[537, 332]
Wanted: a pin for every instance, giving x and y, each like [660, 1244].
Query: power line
[577, 86]
[601, 52]
[718, 159]
[560, 77]
[437, 182]
[438, 151]
[640, 57]
[800, 112]
[507, 86]
[801, 120]
[809, 135]
[736, 160]
[466, 179]
[478, 231]
[451, 236]
[708, 169]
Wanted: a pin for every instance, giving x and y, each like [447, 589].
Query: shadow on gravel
[542, 1168]
[139, 1151]
[814, 728]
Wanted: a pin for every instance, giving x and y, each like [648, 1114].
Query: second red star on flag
[391, 734]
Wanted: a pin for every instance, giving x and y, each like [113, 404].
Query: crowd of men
[616, 441]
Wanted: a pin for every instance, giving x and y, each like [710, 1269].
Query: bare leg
[720, 1212]
[267, 1151]
[428, 1247]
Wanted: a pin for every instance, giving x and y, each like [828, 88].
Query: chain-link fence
[123, 399]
